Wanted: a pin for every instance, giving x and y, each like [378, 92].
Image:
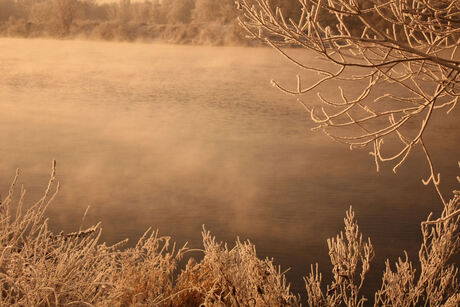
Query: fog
[174, 137]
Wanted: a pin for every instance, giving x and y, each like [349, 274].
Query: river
[176, 137]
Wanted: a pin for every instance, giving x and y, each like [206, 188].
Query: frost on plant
[435, 285]
[350, 258]
[400, 60]
[235, 277]
[40, 268]
[390, 65]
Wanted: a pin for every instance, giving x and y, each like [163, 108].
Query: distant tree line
[182, 21]
[179, 21]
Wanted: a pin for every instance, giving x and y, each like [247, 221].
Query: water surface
[174, 137]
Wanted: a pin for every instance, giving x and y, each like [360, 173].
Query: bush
[40, 268]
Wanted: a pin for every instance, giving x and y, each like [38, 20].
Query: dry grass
[233, 277]
[435, 285]
[39, 268]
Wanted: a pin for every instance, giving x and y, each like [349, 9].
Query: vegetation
[40, 268]
[409, 47]
[178, 21]
[405, 46]
[413, 49]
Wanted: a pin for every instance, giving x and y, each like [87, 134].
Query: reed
[40, 268]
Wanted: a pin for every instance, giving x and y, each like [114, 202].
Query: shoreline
[199, 34]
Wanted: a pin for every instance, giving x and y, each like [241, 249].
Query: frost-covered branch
[398, 62]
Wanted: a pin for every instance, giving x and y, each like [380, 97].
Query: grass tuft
[40, 268]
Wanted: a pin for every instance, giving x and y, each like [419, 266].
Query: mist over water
[174, 137]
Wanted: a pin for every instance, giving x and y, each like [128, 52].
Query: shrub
[40, 268]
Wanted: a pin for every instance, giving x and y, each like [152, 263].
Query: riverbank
[41, 268]
[211, 34]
